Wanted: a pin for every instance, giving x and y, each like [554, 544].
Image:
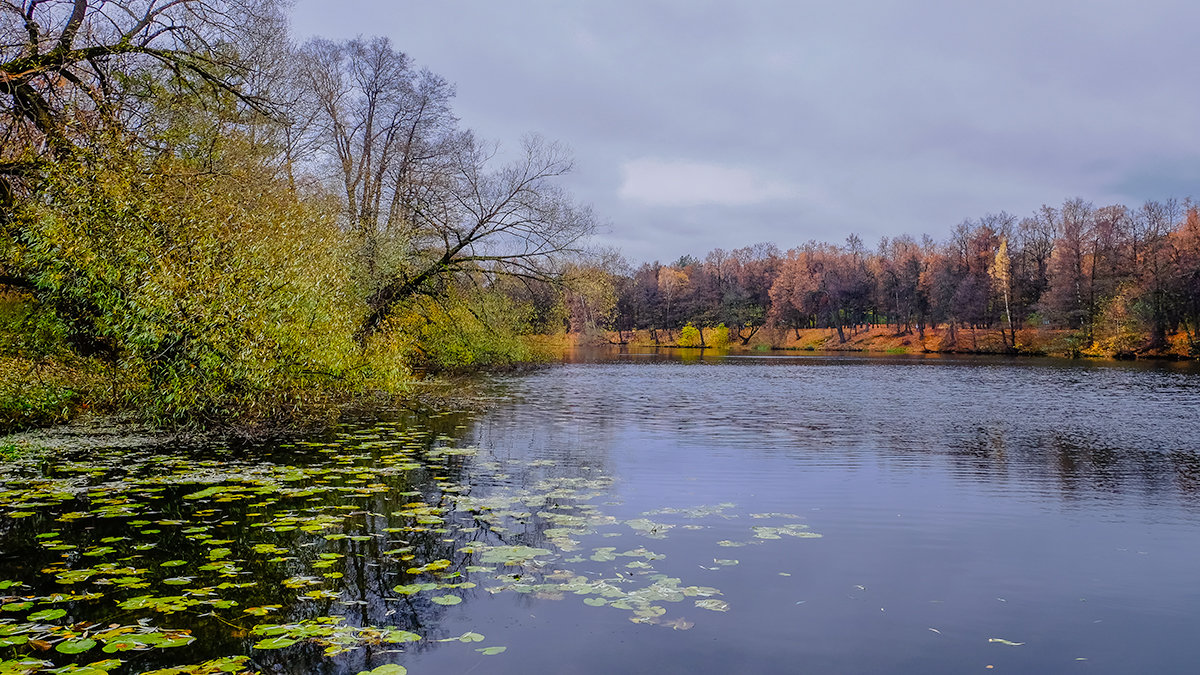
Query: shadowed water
[652, 512]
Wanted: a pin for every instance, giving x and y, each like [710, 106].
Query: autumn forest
[1115, 280]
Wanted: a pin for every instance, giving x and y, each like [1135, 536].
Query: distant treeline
[1123, 279]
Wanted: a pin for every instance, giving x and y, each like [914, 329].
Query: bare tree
[387, 128]
[513, 221]
[60, 61]
[77, 76]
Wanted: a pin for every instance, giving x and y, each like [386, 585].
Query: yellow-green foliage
[466, 329]
[1119, 329]
[222, 295]
[718, 338]
[37, 392]
[689, 336]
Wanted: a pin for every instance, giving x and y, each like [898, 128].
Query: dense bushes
[468, 329]
[215, 297]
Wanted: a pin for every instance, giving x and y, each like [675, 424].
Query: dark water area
[646, 512]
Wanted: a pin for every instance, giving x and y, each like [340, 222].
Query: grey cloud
[905, 117]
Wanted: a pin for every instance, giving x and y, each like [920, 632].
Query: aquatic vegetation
[361, 539]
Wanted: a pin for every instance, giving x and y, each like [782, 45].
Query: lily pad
[75, 646]
[278, 642]
[389, 669]
[511, 555]
[492, 651]
[47, 615]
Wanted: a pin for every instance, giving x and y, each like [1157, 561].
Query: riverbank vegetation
[204, 223]
[1071, 280]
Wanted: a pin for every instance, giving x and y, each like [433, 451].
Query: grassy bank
[941, 340]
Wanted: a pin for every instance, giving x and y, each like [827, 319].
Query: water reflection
[1083, 426]
[653, 504]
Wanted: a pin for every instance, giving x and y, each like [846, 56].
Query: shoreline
[886, 340]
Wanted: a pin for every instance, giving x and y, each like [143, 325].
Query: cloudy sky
[699, 124]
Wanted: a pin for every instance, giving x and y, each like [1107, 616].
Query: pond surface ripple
[647, 513]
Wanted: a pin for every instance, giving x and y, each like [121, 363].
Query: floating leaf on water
[511, 555]
[121, 645]
[276, 642]
[394, 636]
[605, 554]
[1006, 642]
[47, 615]
[429, 567]
[713, 604]
[75, 646]
[792, 530]
[728, 543]
[229, 664]
[595, 602]
[389, 669]
[648, 527]
[448, 599]
[492, 651]
[411, 589]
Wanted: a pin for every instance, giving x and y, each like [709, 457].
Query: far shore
[888, 340]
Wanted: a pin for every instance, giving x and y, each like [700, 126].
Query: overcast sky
[698, 125]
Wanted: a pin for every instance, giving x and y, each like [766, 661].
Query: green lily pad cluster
[330, 632]
[359, 540]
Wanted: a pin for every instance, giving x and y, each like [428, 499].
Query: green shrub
[37, 393]
[464, 330]
[689, 336]
[718, 338]
[217, 296]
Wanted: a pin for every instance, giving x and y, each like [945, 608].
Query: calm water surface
[1029, 516]
[1045, 502]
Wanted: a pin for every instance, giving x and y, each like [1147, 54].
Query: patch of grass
[39, 393]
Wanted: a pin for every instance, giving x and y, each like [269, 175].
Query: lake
[645, 512]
